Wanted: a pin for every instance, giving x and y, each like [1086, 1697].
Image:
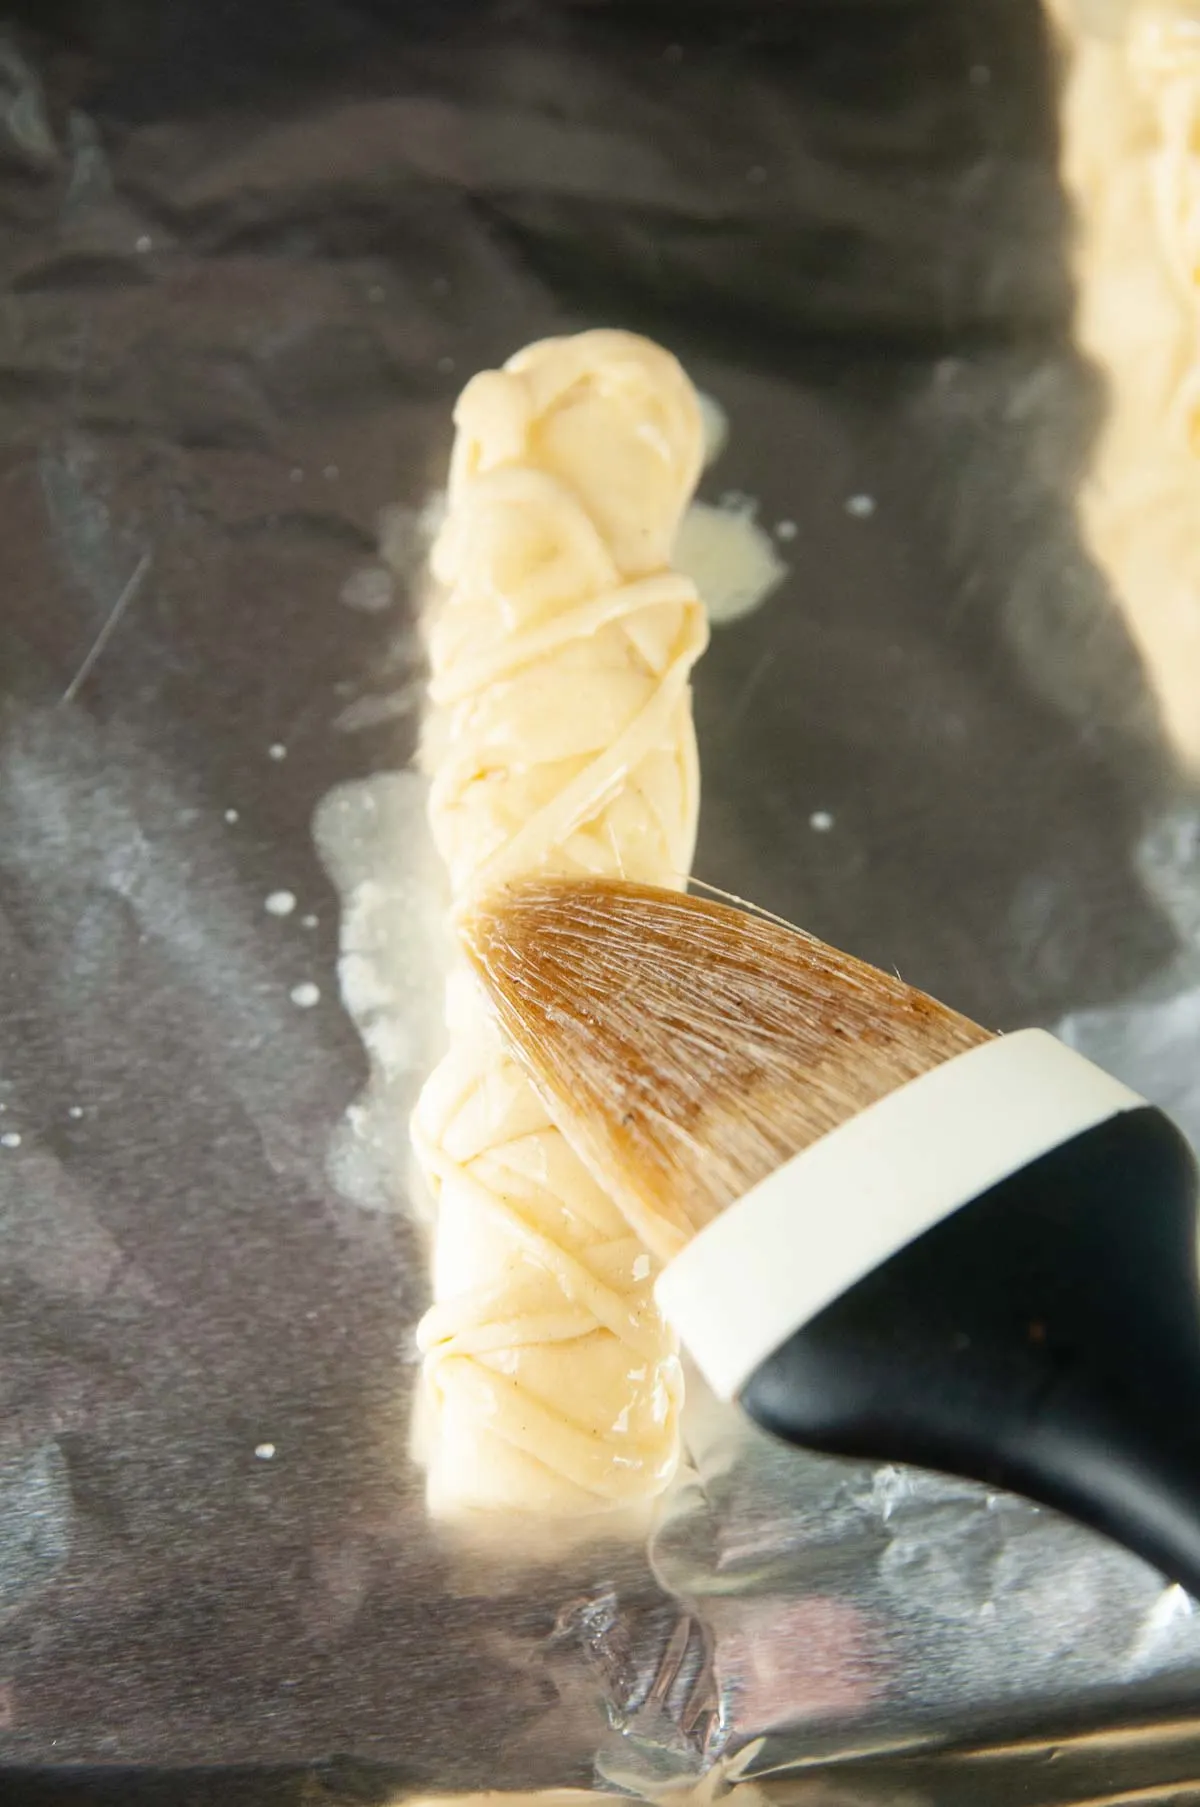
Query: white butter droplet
[732, 561]
[75, 1111]
[861, 507]
[786, 530]
[277, 750]
[305, 995]
[715, 424]
[231, 815]
[264, 1451]
[10, 1139]
[369, 589]
[821, 820]
[280, 903]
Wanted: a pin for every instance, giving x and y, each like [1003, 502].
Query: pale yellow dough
[560, 739]
[1131, 162]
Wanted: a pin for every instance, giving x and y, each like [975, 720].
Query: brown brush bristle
[686, 1048]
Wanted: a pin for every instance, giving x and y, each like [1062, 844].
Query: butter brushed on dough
[559, 739]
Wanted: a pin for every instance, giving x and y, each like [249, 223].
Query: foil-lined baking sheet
[249, 257]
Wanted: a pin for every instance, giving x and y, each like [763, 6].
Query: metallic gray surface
[249, 258]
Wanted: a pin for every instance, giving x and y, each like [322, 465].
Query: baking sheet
[250, 255]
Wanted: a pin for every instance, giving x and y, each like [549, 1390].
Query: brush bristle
[688, 1049]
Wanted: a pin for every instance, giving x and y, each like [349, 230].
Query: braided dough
[1131, 160]
[560, 739]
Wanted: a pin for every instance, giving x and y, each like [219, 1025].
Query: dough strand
[559, 739]
[1131, 163]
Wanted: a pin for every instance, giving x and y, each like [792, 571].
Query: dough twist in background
[560, 739]
[1131, 162]
[1164, 55]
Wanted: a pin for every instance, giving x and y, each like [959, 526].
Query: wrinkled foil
[249, 257]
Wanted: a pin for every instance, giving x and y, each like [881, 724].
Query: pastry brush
[886, 1231]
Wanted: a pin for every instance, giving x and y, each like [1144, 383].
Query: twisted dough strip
[560, 739]
[1131, 159]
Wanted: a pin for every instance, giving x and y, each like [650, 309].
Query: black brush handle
[1044, 1338]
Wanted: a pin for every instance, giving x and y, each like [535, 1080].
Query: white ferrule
[835, 1212]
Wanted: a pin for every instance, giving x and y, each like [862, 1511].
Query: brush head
[687, 1049]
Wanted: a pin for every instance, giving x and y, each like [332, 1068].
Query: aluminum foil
[250, 255]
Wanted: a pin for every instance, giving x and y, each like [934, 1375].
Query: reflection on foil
[23, 116]
[35, 1520]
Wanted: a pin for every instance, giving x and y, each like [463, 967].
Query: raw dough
[1131, 162]
[560, 739]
